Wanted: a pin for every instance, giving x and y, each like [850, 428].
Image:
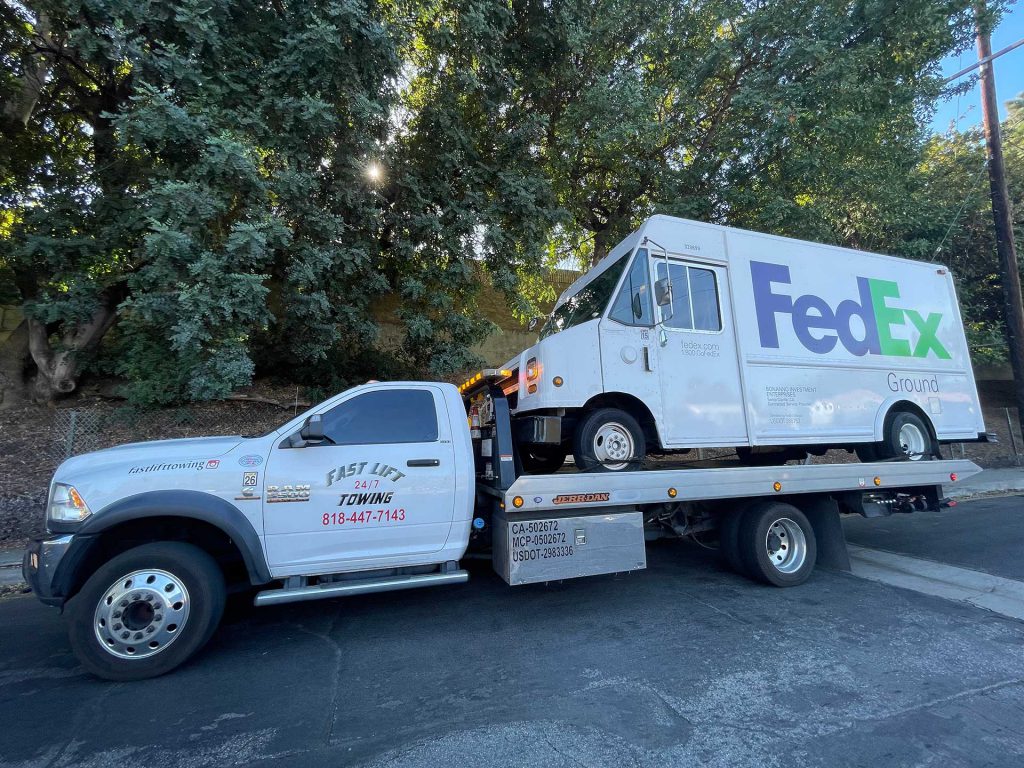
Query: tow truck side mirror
[313, 430]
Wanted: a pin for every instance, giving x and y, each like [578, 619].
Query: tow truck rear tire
[146, 611]
[608, 440]
[728, 539]
[776, 544]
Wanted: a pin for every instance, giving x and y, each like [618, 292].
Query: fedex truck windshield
[588, 303]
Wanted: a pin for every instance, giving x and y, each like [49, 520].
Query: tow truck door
[378, 492]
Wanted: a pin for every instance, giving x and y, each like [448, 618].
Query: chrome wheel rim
[786, 545]
[141, 614]
[614, 446]
[912, 441]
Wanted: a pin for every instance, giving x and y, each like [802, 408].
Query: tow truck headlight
[66, 505]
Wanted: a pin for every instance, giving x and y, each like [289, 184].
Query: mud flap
[823, 514]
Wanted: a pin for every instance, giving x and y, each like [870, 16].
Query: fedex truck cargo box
[830, 338]
[712, 336]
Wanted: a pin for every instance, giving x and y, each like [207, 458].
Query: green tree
[467, 199]
[791, 117]
[178, 160]
[946, 216]
[196, 176]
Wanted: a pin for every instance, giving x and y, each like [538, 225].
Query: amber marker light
[76, 499]
[878, 481]
[517, 501]
[672, 493]
[777, 486]
[557, 381]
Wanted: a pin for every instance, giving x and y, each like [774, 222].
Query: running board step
[389, 584]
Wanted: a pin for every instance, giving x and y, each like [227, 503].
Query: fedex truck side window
[385, 416]
[633, 304]
[704, 300]
[695, 304]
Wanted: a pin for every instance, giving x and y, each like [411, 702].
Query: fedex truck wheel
[543, 460]
[146, 611]
[608, 440]
[906, 436]
[776, 544]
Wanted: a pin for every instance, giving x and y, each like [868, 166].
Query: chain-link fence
[81, 430]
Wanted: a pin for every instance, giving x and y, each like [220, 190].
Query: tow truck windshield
[588, 302]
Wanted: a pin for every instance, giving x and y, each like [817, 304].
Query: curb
[11, 580]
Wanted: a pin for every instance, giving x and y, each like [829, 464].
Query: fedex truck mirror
[809, 313]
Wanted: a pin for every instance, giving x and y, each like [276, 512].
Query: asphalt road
[986, 535]
[682, 664]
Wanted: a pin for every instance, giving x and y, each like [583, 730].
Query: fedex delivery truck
[693, 335]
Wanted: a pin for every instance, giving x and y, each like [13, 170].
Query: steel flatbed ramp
[568, 490]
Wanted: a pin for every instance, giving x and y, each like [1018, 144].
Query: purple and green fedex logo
[812, 313]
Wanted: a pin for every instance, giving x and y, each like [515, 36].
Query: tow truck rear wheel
[608, 440]
[728, 539]
[146, 611]
[776, 544]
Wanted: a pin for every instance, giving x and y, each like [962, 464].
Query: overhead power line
[986, 60]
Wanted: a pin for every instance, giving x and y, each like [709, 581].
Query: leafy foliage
[198, 175]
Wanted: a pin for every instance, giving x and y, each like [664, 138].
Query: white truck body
[384, 487]
[768, 341]
[325, 508]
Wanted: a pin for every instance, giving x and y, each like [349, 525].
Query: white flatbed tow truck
[387, 486]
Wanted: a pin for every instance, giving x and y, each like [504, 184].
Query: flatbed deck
[564, 490]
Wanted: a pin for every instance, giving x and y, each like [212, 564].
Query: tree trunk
[59, 368]
[600, 246]
[18, 109]
[13, 361]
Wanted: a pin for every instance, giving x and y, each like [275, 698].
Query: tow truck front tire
[608, 440]
[146, 611]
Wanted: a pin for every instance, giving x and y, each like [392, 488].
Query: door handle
[423, 463]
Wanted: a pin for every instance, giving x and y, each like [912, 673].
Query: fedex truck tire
[538, 460]
[608, 440]
[906, 436]
[776, 544]
[146, 611]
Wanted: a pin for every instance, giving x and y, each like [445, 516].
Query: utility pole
[1001, 214]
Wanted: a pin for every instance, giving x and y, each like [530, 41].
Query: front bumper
[39, 566]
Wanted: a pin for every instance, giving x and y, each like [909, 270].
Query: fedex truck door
[702, 401]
